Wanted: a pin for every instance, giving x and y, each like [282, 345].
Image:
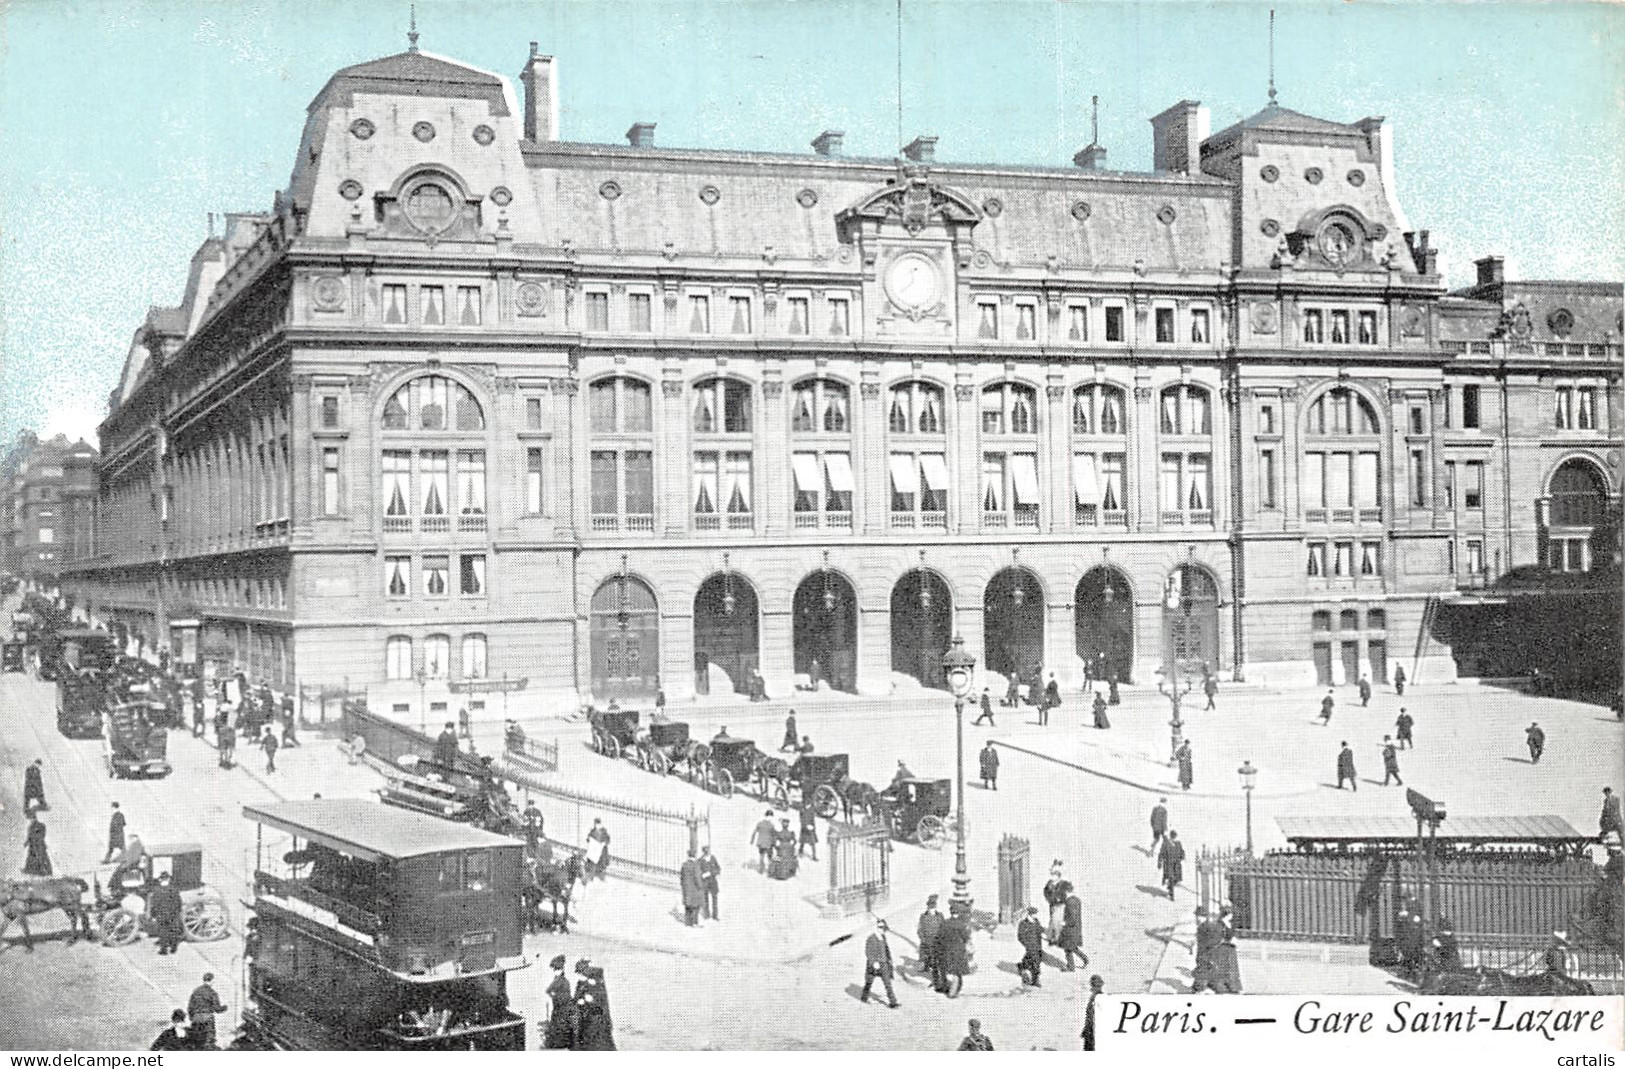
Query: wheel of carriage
[725, 783]
[119, 927]
[206, 920]
[825, 801]
[931, 831]
[612, 746]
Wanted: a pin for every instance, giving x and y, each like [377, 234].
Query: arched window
[1009, 486]
[1577, 509]
[1186, 412]
[1099, 456]
[433, 403]
[474, 656]
[917, 457]
[620, 421]
[437, 656]
[722, 460]
[1342, 460]
[398, 657]
[1009, 408]
[821, 461]
[916, 408]
[722, 406]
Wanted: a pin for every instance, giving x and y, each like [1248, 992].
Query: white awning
[935, 470]
[839, 466]
[1086, 484]
[1025, 470]
[806, 469]
[905, 475]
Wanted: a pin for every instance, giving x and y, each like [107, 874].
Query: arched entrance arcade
[1103, 621]
[625, 631]
[922, 624]
[1013, 624]
[825, 626]
[727, 638]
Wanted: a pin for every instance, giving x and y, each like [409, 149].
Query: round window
[429, 207]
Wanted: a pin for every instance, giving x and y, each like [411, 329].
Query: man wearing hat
[1208, 936]
[1097, 987]
[202, 1007]
[877, 963]
[164, 912]
[1557, 954]
[560, 1030]
[975, 1040]
[1226, 969]
[1345, 768]
[1390, 763]
[693, 886]
[1446, 954]
[445, 747]
[930, 925]
[595, 1030]
[174, 1037]
[1536, 738]
[762, 839]
[1030, 934]
[1610, 820]
[710, 872]
[990, 766]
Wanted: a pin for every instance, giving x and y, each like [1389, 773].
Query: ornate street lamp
[829, 592]
[957, 667]
[421, 678]
[925, 586]
[1249, 777]
[727, 587]
[1175, 598]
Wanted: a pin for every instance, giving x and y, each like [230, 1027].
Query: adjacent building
[473, 402]
[50, 489]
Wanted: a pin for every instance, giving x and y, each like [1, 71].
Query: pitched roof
[1275, 117]
[414, 74]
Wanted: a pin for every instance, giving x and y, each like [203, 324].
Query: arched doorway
[826, 630]
[726, 643]
[1013, 624]
[1190, 620]
[922, 626]
[625, 634]
[1103, 615]
[1577, 505]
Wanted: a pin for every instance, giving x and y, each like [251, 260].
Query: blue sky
[123, 123]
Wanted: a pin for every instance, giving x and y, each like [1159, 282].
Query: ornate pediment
[912, 201]
[1337, 239]
[430, 204]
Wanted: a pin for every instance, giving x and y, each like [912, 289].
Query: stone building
[473, 401]
[50, 488]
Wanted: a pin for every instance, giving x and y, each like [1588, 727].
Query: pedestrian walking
[987, 710]
[227, 741]
[1030, 934]
[790, 734]
[268, 743]
[1171, 862]
[1536, 738]
[1112, 695]
[559, 1032]
[1101, 722]
[809, 829]
[1402, 729]
[201, 1007]
[710, 872]
[1365, 691]
[1399, 679]
[1052, 695]
[1226, 967]
[1159, 822]
[1390, 763]
[198, 712]
[290, 724]
[445, 746]
[1610, 819]
[595, 1029]
[1345, 768]
[877, 964]
[597, 858]
[929, 927]
[786, 858]
[164, 915]
[693, 887]
[1208, 936]
[174, 1037]
[1097, 987]
[1012, 692]
[974, 1039]
[952, 939]
[36, 856]
[990, 766]
[34, 786]
[115, 835]
[1187, 765]
[660, 700]
[1071, 941]
[1327, 704]
[1055, 898]
[1210, 687]
[762, 839]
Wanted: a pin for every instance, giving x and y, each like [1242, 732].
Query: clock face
[912, 282]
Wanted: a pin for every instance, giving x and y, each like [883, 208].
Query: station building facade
[472, 402]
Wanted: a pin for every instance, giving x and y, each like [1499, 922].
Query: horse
[1479, 981]
[696, 755]
[21, 898]
[552, 882]
[857, 795]
[769, 771]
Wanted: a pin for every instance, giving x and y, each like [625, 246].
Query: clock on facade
[912, 283]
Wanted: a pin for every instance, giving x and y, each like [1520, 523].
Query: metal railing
[859, 864]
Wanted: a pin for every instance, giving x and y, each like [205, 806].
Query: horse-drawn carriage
[134, 740]
[614, 731]
[822, 778]
[80, 703]
[14, 655]
[122, 906]
[731, 762]
[469, 793]
[664, 745]
[918, 809]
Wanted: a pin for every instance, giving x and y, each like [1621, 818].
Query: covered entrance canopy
[1377, 834]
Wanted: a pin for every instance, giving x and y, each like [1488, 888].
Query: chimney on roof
[541, 97]
[828, 143]
[641, 135]
[1176, 138]
[922, 149]
[1491, 271]
[1092, 155]
[1425, 256]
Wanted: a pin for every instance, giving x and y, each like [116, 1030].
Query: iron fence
[859, 864]
[1015, 878]
[532, 754]
[317, 700]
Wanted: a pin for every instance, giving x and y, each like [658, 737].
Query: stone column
[772, 461]
[1055, 458]
[870, 461]
[965, 442]
[572, 458]
[303, 473]
[874, 650]
[362, 462]
[1142, 459]
[674, 488]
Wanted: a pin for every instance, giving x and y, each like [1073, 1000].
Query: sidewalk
[1270, 967]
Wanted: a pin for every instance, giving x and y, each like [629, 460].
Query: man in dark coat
[1112, 696]
[1536, 738]
[1402, 729]
[1159, 822]
[877, 964]
[790, 734]
[1071, 941]
[1208, 936]
[445, 746]
[952, 939]
[1390, 763]
[1101, 721]
[1365, 692]
[990, 766]
[809, 829]
[174, 1037]
[1171, 862]
[987, 710]
[693, 884]
[268, 743]
[34, 786]
[975, 1039]
[201, 1007]
[595, 1029]
[929, 927]
[1446, 952]
[1097, 987]
[164, 913]
[115, 835]
[1030, 934]
[1052, 695]
[1187, 765]
[710, 871]
[37, 861]
[1210, 687]
[1399, 679]
[1327, 704]
[1226, 969]
[1610, 819]
[1345, 768]
[560, 1029]
[762, 839]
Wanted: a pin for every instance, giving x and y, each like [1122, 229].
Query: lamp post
[957, 666]
[1176, 599]
[1249, 777]
[421, 677]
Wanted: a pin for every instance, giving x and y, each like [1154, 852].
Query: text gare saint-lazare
[1312, 1018]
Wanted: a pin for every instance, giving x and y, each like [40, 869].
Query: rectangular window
[739, 315]
[1314, 329]
[1114, 322]
[1475, 556]
[1026, 322]
[1314, 480]
[1317, 559]
[397, 478]
[1564, 414]
[433, 475]
[1077, 323]
[1370, 559]
[840, 317]
[533, 481]
[1343, 559]
[799, 316]
[436, 576]
[432, 306]
[597, 311]
[736, 483]
[474, 659]
[330, 482]
[1419, 477]
[1340, 328]
[1419, 424]
[393, 301]
[533, 413]
[1266, 419]
[1450, 484]
[398, 657]
[1472, 491]
[705, 479]
[809, 481]
[470, 306]
[1170, 482]
[640, 482]
[605, 476]
[987, 320]
[639, 313]
[1585, 408]
[1368, 328]
[471, 575]
[1469, 408]
[699, 314]
[330, 412]
[1165, 326]
[1366, 469]
[993, 482]
[1266, 478]
[47, 536]
[1201, 333]
[471, 482]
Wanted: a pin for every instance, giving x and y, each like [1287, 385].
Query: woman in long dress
[596, 852]
[785, 862]
[38, 860]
